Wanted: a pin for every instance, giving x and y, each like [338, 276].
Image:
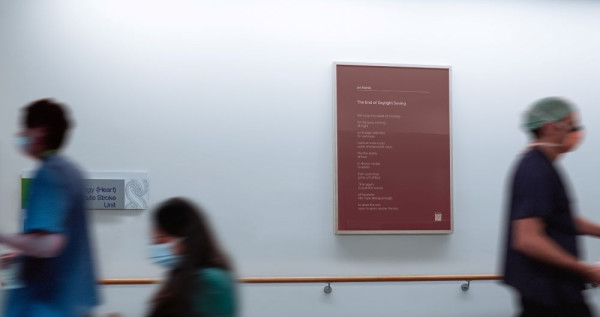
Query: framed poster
[393, 149]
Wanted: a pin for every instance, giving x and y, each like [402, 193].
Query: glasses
[576, 128]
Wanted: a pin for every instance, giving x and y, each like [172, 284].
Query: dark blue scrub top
[537, 191]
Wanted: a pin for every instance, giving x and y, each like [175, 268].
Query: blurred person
[542, 255]
[200, 280]
[53, 251]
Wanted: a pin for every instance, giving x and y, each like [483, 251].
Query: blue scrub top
[537, 191]
[64, 285]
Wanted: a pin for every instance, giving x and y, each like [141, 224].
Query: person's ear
[545, 129]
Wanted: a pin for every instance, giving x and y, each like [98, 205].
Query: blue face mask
[23, 143]
[163, 255]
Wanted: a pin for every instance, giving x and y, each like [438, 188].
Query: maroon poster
[393, 171]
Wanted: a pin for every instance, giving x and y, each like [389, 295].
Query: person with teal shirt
[57, 274]
[200, 281]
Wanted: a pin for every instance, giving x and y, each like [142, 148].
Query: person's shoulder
[533, 161]
[60, 160]
[214, 276]
[59, 163]
[533, 155]
[57, 170]
[213, 273]
[215, 292]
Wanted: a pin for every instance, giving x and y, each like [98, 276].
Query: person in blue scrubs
[542, 260]
[54, 249]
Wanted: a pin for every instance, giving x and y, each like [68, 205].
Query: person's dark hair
[178, 217]
[51, 115]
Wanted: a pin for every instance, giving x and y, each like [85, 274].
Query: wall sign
[393, 151]
[107, 190]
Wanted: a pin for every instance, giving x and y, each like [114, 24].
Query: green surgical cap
[546, 110]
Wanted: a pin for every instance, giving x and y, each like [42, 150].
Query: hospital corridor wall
[230, 103]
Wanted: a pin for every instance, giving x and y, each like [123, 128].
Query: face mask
[23, 143]
[162, 255]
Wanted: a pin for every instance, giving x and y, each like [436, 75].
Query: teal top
[215, 293]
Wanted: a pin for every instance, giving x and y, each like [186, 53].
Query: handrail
[323, 279]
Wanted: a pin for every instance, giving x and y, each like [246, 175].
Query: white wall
[230, 103]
